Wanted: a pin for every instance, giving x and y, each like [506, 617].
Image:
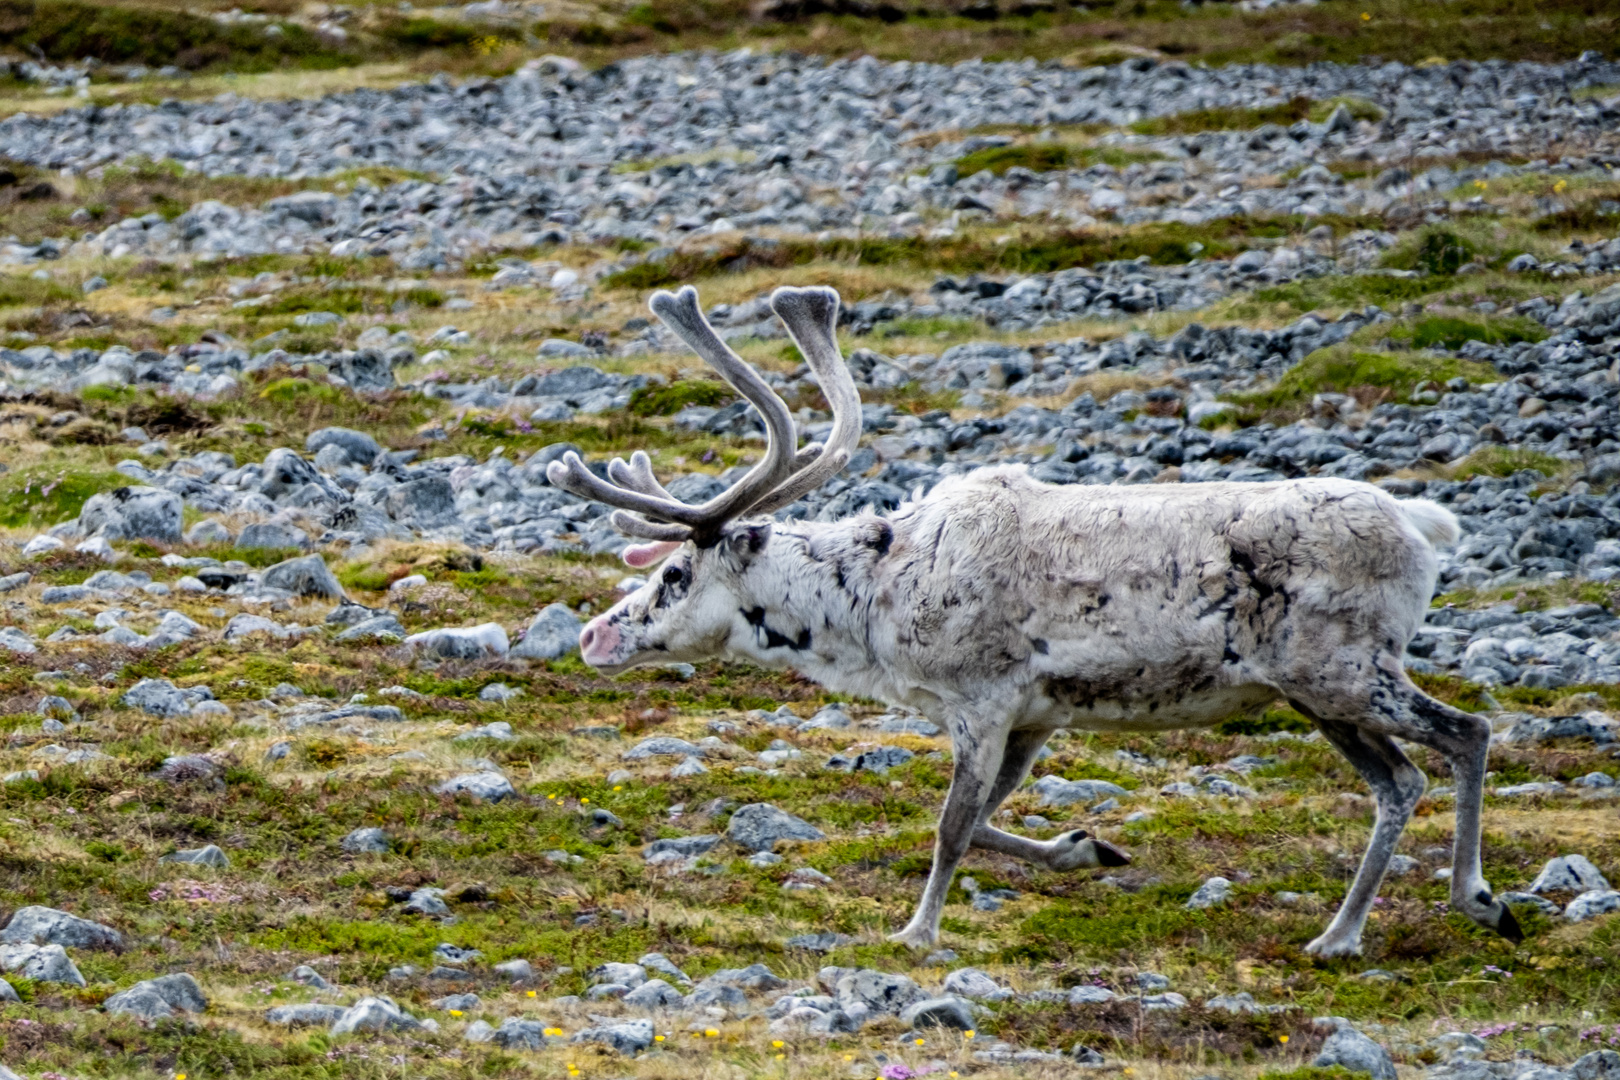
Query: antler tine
[570, 474]
[681, 313]
[637, 475]
[635, 525]
[811, 317]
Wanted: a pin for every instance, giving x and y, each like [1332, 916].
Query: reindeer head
[698, 604]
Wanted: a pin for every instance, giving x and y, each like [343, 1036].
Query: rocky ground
[303, 775]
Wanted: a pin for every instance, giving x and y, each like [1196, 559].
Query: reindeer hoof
[915, 939]
[1329, 945]
[1508, 926]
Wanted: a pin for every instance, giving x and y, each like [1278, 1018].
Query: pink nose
[598, 641]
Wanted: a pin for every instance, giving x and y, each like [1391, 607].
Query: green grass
[671, 399]
[1048, 157]
[1502, 461]
[1430, 251]
[38, 496]
[1163, 243]
[113, 33]
[1226, 118]
[1347, 369]
[1452, 332]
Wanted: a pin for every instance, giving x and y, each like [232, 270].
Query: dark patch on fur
[1040, 646]
[774, 639]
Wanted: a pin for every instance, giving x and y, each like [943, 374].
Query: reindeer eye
[674, 575]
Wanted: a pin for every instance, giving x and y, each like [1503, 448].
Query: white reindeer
[1007, 609]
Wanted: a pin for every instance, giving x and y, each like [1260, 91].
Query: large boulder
[760, 826]
[157, 697]
[283, 472]
[368, 370]
[552, 634]
[1349, 1049]
[631, 1037]
[462, 643]
[156, 999]
[307, 575]
[41, 963]
[47, 926]
[1569, 873]
[132, 513]
[426, 503]
[271, 534]
[361, 448]
[488, 785]
[876, 992]
[945, 1012]
[373, 1014]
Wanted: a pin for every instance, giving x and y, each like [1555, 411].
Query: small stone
[945, 1012]
[1212, 892]
[207, 855]
[369, 841]
[761, 826]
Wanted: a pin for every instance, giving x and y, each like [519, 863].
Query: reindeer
[1006, 609]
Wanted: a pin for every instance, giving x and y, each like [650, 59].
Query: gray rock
[1090, 995]
[47, 926]
[309, 1015]
[132, 513]
[41, 963]
[516, 970]
[1056, 791]
[683, 846]
[208, 531]
[1210, 893]
[518, 1034]
[425, 503]
[490, 786]
[271, 535]
[631, 1037]
[373, 1014]
[653, 994]
[361, 448]
[207, 855]
[1589, 905]
[307, 575]
[1598, 1065]
[976, 985]
[1569, 873]
[552, 634]
[366, 841]
[877, 992]
[157, 697]
[308, 976]
[456, 1003]
[945, 1012]
[462, 642]
[662, 746]
[158, 998]
[761, 826]
[1349, 1049]
[380, 628]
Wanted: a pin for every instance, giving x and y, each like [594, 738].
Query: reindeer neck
[809, 602]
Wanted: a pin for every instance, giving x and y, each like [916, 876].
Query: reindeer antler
[647, 510]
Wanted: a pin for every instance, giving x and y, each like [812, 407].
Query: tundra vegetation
[1407, 277]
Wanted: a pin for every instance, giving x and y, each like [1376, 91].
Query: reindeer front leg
[978, 747]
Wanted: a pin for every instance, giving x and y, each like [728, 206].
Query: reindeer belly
[1106, 705]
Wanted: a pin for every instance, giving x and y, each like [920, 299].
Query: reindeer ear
[749, 540]
[641, 556]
